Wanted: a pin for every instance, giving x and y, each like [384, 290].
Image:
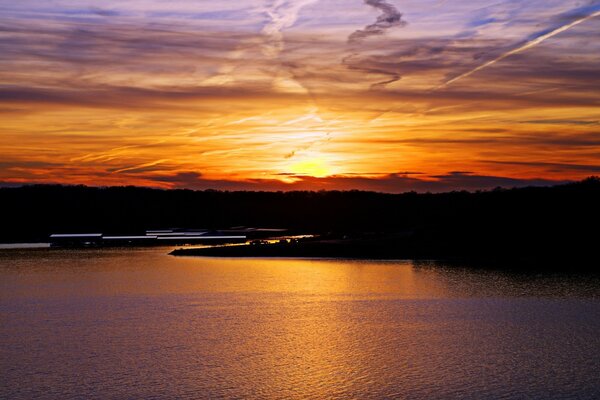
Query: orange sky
[303, 94]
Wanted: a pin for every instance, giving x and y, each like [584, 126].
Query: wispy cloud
[534, 41]
[282, 14]
[252, 91]
[144, 167]
[390, 17]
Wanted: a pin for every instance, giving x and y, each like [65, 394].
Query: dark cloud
[104, 12]
[389, 18]
[4, 184]
[552, 167]
[126, 97]
[369, 66]
[27, 164]
[392, 183]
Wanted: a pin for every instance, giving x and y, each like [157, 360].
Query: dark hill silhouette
[552, 221]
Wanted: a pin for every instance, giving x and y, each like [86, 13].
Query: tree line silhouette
[557, 220]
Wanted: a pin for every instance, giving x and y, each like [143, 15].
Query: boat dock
[162, 237]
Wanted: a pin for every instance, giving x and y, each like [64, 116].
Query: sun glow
[316, 167]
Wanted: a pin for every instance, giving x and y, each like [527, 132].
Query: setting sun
[315, 167]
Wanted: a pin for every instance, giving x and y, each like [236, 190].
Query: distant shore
[395, 249]
[5, 246]
[520, 227]
[314, 248]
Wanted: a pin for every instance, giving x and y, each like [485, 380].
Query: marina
[162, 237]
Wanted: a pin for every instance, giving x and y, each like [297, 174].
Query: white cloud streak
[526, 46]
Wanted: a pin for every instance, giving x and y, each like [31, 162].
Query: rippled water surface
[129, 324]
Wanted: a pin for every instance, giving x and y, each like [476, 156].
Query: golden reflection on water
[147, 271]
[123, 323]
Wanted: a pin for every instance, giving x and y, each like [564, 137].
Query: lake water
[140, 324]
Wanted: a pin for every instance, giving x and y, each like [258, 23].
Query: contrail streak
[526, 46]
[389, 18]
[282, 14]
[351, 64]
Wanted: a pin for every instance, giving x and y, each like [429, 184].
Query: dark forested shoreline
[556, 221]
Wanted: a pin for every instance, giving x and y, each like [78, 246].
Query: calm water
[131, 324]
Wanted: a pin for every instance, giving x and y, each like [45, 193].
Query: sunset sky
[380, 95]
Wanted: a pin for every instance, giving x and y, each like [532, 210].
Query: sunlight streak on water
[141, 324]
